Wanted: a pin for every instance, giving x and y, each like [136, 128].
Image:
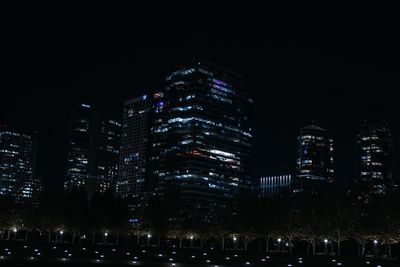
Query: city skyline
[295, 78]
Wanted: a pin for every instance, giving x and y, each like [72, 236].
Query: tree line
[327, 224]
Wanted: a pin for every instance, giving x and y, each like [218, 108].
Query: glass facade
[93, 150]
[135, 144]
[201, 137]
[17, 165]
[375, 157]
[315, 161]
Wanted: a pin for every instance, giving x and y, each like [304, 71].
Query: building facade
[135, 144]
[93, 151]
[315, 158]
[375, 157]
[201, 138]
[17, 165]
[276, 186]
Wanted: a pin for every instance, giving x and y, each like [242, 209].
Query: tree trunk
[159, 241]
[259, 245]
[245, 245]
[201, 243]
[313, 248]
[94, 238]
[180, 242]
[49, 237]
[117, 239]
[138, 240]
[223, 242]
[267, 243]
[8, 234]
[290, 246]
[26, 235]
[363, 247]
[338, 247]
[73, 237]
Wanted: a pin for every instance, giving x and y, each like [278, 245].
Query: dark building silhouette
[315, 163]
[201, 138]
[374, 158]
[17, 165]
[93, 150]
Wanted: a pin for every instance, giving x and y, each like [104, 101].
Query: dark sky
[334, 75]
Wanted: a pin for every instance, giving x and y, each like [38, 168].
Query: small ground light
[83, 248]
[289, 265]
[173, 264]
[64, 259]
[25, 246]
[32, 258]
[193, 256]
[69, 255]
[1, 257]
[160, 255]
[54, 248]
[134, 262]
[101, 256]
[367, 262]
[262, 259]
[38, 254]
[235, 255]
[227, 258]
[378, 266]
[339, 264]
[128, 253]
[208, 261]
[144, 251]
[97, 260]
[333, 260]
[204, 254]
[247, 263]
[135, 258]
[9, 253]
[113, 249]
[35, 249]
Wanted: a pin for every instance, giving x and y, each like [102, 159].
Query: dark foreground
[28, 255]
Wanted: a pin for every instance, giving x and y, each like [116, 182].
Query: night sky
[335, 76]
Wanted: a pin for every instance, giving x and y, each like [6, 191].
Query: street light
[148, 239]
[15, 230]
[279, 244]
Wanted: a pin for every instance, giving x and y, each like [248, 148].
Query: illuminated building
[135, 144]
[314, 157]
[275, 186]
[201, 138]
[17, 165]
[93, 151]
[375, 157]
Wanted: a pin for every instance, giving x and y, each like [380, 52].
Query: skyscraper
[202, 138]
[135, 144]
[375, 157]
[314, 156]
[93, 150]
[17, 164]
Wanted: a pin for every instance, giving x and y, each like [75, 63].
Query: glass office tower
[314, 157]
[17, 164]
[375, 157]
[201, 138]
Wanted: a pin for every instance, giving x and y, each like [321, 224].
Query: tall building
[276, 186]
[375, 157]
[93, 150]
[314, 156]
[201, 138]
[17, 164]
[135, 144]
